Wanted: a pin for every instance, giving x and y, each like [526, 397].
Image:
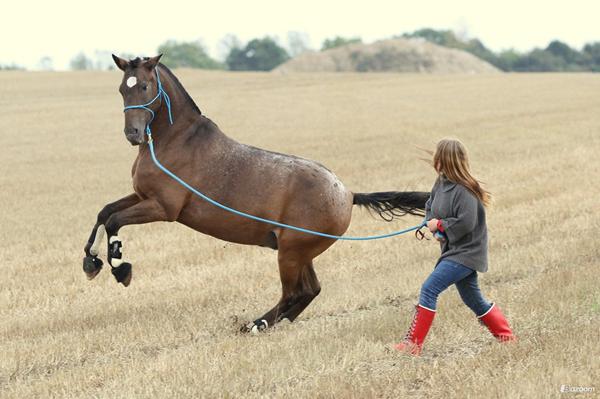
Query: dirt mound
[394, 55]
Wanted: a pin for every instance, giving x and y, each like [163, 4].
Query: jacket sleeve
[428, 209]
[428, 215]
[464, 219]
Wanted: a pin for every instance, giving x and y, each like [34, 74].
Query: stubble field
[534, 139]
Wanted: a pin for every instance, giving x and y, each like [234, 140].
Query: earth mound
[393, 55]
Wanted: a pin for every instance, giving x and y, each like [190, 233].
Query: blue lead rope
[163, 94]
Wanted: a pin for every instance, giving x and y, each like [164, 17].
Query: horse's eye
[144, 87]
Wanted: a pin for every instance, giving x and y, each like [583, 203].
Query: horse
[274, 186]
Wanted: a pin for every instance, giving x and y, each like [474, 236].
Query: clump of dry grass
[174, 331]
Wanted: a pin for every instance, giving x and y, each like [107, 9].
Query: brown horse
[274, 186]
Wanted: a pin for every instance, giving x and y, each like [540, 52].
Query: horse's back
[307, 193]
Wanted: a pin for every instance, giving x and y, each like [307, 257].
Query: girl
[455, 214]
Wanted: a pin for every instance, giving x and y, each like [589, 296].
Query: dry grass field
[534, 139]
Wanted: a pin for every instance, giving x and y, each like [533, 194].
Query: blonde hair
[451, 160]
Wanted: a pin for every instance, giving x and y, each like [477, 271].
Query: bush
[258, 55]
[81, 63]
[591, 53]
[11, 67]
[186, 55]
[339, 41]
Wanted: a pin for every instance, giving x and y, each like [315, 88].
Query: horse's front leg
[92, 264]
[145, 211]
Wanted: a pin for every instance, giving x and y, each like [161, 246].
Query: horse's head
[139, 87]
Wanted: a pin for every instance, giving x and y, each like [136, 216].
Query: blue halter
[165, 97]
[161, 94]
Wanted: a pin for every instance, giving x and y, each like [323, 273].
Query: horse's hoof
[92, 266]
[122, 273]
[255, 327]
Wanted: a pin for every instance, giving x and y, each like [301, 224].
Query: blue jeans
[443, 276]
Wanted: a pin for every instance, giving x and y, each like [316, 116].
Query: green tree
[507, 59]
[539, 60]
[557, 56]
[591, 52]
[562, 50]
[81, 62]
[45, 63]
[258, 55]
[186, 55]
[228, 43]
[339, 41]
[476, 47]
[11, 67]
[447, 38]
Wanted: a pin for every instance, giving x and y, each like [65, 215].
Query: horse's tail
[391, 204]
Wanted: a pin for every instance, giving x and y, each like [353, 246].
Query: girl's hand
[439, 237]
[432, 225]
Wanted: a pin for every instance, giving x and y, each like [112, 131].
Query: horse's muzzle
[134, 135]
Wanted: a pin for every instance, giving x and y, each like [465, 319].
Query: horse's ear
[120, 62]
[152, 62]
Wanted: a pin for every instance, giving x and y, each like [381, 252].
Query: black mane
[186, 95]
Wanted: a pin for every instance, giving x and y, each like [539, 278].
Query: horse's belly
[226, 226]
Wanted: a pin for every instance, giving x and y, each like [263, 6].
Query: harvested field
[534, 139]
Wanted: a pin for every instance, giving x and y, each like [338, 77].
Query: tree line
[260, 54]
[556, 57]
[264, 54]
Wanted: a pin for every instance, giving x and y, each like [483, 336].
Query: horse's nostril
[131, 130]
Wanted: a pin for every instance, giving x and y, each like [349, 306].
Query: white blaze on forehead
[131, 81]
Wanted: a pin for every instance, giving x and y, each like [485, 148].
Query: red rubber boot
[413, 342]
[495, 321]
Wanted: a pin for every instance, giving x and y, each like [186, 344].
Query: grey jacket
[463, 220]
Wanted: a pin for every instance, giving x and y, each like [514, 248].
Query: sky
[59, 29]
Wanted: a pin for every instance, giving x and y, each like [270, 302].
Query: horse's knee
[112, 225]
[104, 214]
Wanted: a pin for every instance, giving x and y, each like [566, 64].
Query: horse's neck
[183, 113]
[187, 120]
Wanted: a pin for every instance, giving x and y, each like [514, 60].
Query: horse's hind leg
[308, 290]
[299, 287]
[290, 270]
